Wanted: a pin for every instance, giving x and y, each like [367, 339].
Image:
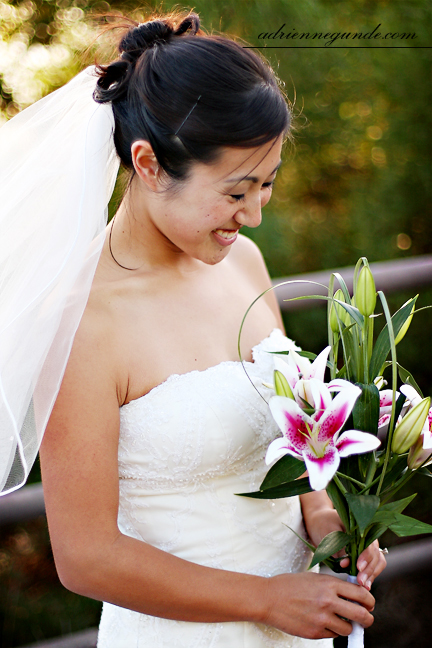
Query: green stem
[401, 483]
[394, 387]
[339, 484]
[351, 479]
[369, 486]
[335, 348]
[365, 350]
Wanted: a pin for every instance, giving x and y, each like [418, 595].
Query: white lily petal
[302, 392]
[301, 364]
[292, 421]
[427, 432]
[321, 397]
[321, 470]
[336, 414]
[276, 450]
[412, 394]
[386, 397]
[318, 366]
[286, 370]
[338, 383]
[356, 442]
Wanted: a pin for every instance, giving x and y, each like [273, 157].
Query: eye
[267, 185]
[238, 197]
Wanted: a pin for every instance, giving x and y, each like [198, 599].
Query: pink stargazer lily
[299, 371]
[315, 439]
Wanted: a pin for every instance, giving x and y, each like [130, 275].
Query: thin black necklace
[110, 248]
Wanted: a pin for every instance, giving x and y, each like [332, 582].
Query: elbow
[81, 572]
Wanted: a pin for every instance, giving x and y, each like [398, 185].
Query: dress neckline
[177, 376]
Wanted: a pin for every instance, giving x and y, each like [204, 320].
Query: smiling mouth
[226, 234]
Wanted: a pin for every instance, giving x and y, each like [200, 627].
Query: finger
[357, 594]
[344, 562]
[353, 612]
[370, 564]
[342, 627]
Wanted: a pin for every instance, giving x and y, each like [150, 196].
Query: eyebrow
[251, 178]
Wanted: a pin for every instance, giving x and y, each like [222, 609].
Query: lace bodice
[186, 448]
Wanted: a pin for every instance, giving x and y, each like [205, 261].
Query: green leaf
[305, 542]
[374, 533]
[424, 471]
[382, 345]
[339, 502]
[334, 565]
[408, 379]
[343, 286]
[329, 545]
[350, 352]
[407, 526]
[297, 487]
[400, 402]
[352, 311]
[397, 466]
[399, 506]
[401, 525]
[363, 507]
[366, 409]
[285, 470]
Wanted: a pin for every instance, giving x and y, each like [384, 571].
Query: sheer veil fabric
[58, 168]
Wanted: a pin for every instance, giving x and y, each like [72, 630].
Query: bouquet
[357, 440]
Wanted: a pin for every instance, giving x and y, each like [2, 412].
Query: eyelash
[241, 197]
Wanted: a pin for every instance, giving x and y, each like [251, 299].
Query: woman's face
[203, 218]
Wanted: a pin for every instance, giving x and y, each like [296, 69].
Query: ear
[145, 163]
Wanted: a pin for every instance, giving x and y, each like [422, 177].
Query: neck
[136, 241]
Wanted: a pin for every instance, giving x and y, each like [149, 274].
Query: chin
[217, 258]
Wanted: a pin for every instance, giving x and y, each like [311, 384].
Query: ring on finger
[384, 551]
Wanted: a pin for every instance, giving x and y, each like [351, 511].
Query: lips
[224, 236]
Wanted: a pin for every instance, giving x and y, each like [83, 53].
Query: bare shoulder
[249, 260]
[248, 257]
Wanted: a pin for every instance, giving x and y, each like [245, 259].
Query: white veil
[58, 168]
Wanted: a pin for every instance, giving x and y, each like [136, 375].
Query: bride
[156, 428]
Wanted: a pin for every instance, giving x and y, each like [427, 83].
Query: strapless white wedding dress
[186, 448]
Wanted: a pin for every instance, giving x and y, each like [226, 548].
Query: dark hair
[189, 94]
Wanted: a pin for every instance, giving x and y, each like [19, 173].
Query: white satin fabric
[57, 172]
[186, 448]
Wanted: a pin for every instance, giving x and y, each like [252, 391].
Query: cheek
[265, 197]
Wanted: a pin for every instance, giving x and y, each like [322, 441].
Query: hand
[323, 520]
[315, 606]
[370, 564]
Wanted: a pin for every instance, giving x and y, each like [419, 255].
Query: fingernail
[368, 584]
[362, 579]
[362, 565]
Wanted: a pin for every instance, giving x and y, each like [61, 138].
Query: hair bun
[146, 35]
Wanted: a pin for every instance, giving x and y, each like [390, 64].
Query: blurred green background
[356, 182]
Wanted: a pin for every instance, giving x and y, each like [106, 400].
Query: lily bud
[380, 382]
[365, 293]
[409, 429]
[418, 455]
[337, 312]
[282, 386]
[406, 325]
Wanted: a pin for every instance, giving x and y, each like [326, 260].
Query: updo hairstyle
[189, 94]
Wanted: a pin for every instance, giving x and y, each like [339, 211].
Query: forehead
[236, 164]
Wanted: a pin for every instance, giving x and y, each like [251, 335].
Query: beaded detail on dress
[186, 448]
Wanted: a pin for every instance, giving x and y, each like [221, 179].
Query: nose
[250, 214]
